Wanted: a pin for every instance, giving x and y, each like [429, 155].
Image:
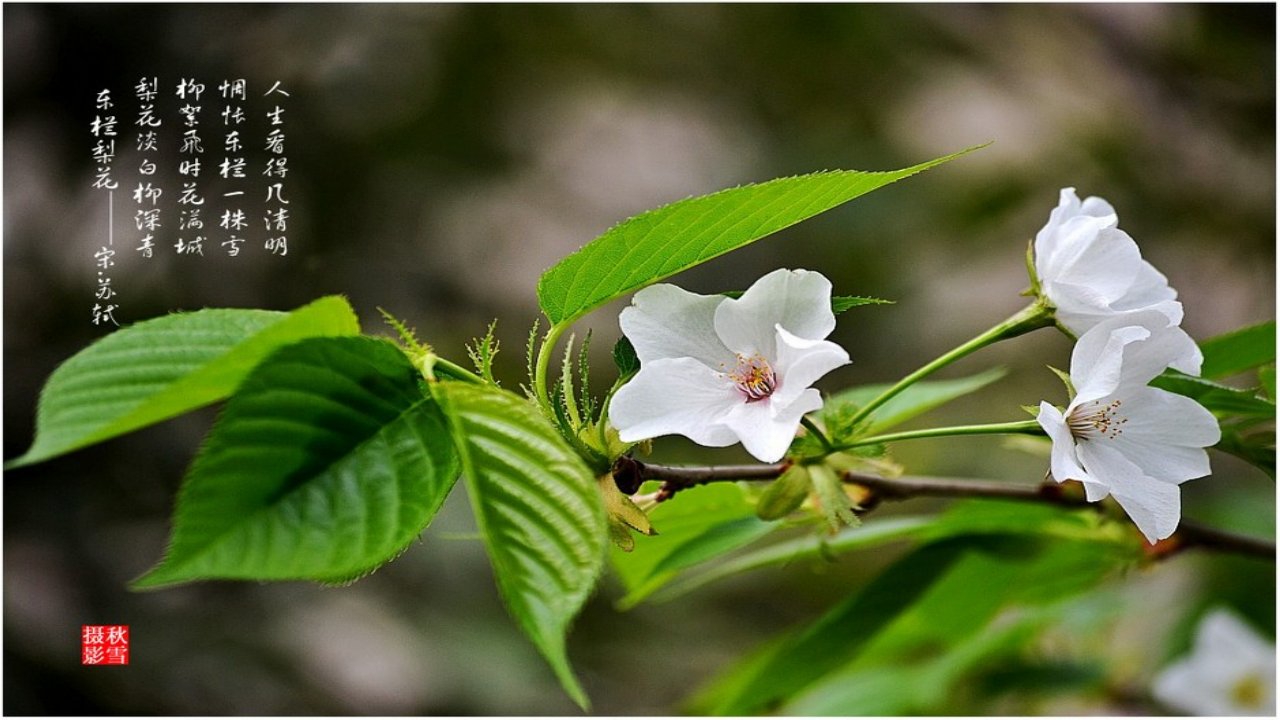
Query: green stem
[454, 370]
[602, 424]
[1021, 427]
[566, 387]
[817, 432]
[543, 363]
[1034, 316]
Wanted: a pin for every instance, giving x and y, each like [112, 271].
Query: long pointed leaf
[676, 237]
[326, 463]
[1240, 350]
[161, 368]
[538, 509]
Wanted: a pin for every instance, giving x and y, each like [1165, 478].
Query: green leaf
[625, 358]
[326, 463]
[872, 533]
[878, 692]
[482, 352]
[1239, 350]
[916, 399]
[1065, 377]
[912, 686]
[1255, 446]
[979, 517]
[699, 524]
[964, 621]
[158, 369]
[883, 692]
[762, 682]
[1267, 379]
[676, 237]
[538, 508]
[928, 612]
[835, 505]
[1037, 678]
[840, 303]
[1221, 399]
[785, 495]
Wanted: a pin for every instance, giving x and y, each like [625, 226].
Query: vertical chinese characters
[158, 133]
[189, 92]
[276, 217]
[233, 162]
[147, 220]
[103, 129]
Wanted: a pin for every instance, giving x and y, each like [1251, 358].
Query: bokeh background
[442, 156]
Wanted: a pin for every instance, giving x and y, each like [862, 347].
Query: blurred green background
[442, 156]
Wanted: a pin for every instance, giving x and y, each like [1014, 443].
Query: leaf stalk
[543, 363]
[1021, 427]
[1036, 315]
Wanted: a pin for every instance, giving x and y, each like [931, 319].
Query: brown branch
[1194, 534]
[905, 488]
[630, 473]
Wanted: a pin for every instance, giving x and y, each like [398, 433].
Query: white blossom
[1090, 271]
[1119, 436]
[1230, 671]
[721, 370]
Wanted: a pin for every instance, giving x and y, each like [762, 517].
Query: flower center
[1096, 420]
[754, 377]
[1248, 691]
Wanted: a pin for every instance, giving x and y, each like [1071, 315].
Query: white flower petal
[679, 396]
[1098, 360]
[1222, 634]
[665, 321]
[1154, 506]
[1181, 687]
[1124, 352]
[1189, 358]
[1064, 245]
[1095, 491]
[1226, 653]
[1080, 320]
[1186, 354]
[1069, 206]
[1105, 261]
[1150, 288]
[801, 362]
[1168, 344]
[798, 300]
[766, 429]
[1159, 420]
[1167, 463]
[1097, 207]
[1062, 461]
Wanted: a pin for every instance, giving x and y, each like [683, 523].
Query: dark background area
[443, 156]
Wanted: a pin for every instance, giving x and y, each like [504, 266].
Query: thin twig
[629, 473]
[1195, 534]
[905, 488]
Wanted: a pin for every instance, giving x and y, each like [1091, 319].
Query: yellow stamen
[1248, 691]
[754, 377]
[1094, 419]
